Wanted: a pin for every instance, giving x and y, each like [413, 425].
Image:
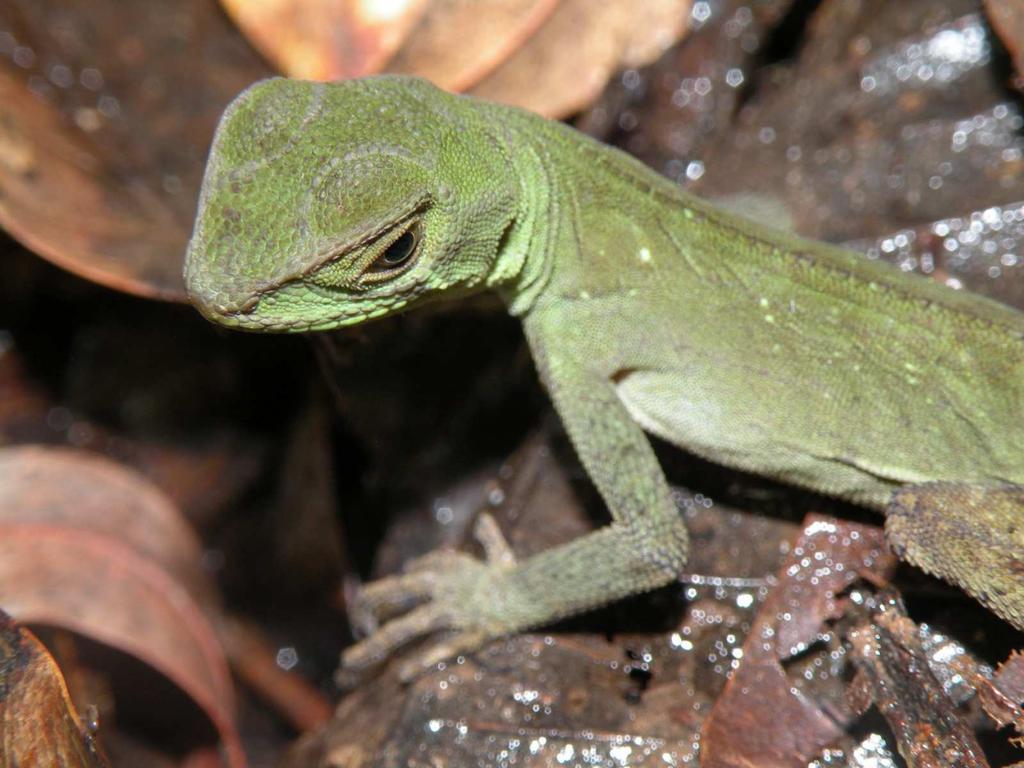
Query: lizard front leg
[644, 547]
[971, 535]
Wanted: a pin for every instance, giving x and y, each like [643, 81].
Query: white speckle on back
[644, 255]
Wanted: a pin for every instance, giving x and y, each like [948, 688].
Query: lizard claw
[440, 590]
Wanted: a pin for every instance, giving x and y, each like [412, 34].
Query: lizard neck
[524, 260]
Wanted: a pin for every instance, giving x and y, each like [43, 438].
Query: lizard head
[325, 205]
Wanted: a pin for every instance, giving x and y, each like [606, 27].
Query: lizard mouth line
[247, 307]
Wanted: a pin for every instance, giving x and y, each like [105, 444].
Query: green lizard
[645, 309]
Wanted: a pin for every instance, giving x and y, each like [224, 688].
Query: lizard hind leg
[969, 534]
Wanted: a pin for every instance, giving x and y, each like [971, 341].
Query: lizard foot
[441, 590]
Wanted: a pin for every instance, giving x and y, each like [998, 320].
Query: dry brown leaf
[327, 39]
[38, 723]
[565, 65]
[89, 546]
[458, 42]
[106, 113]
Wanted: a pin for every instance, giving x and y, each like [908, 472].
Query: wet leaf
[88, 546]
[39, 725]
[894, 672]
[530, 701]
[886, 127]
[106, 113]
[533, 700]
[780, 725]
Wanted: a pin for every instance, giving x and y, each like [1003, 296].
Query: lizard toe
[393, 635]
[381, 600]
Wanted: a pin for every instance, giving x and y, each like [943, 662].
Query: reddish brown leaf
[89, 546]
[1003, 696]
[65, 489]
[106, 113]
[327, 39]
[38, 723]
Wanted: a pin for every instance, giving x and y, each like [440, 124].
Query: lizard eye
[386, 257]
[397, 253]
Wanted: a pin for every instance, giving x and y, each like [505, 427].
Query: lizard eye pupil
[399, 251]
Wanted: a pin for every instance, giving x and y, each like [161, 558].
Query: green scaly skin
[646, 309]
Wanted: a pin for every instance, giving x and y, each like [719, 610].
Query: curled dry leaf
[73, 490]
[1007, 18]
[38, 723]
[551, 56]
[327, 39]
[457, 43]
[87, 545]
[565, 65]
[106, 113]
